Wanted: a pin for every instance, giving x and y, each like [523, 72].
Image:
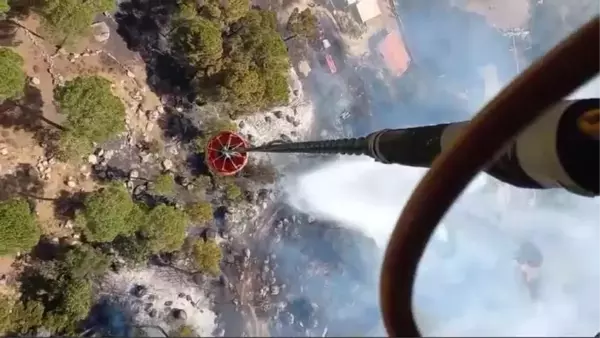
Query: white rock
[145, 157]
[101, 31]
[167, 164]
[71, 183]
[154, 115]
[109, 154]
[3, 151]
[92, 159]
[68, 224]
[130, 74]
[35, 81]
[134, 174]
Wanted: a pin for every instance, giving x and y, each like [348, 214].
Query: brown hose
[566, 67]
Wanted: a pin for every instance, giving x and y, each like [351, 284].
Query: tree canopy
[199, 40]
[73, 305]
[238, 50]
[17, 317]
[200, 212]
[4, 7]
[164, 184]
[232, 191]
[93, 113]
[165, 228]
[234, 10]
[255, 69]
[207, 256]
[303, 23]
[66, 20]
[19, 229]
[135, 249]
[63, 289]
[12, 81]
[109, 212]
[220, 12]
[184, 331]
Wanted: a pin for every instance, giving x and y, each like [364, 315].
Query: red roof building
[394, 53]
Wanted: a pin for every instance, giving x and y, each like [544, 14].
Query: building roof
[394, 53]
[368, 9]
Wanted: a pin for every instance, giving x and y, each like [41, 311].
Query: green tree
[202, 183]
[199, 41]
[6, 305]
[211, 10]
[73, 288]
[17, 317]
[184, 331]
[78, 299]
[83, 263]
[66, 20]
[73, 306]
[165, 228]
[234, 10]
[12, 82]
[187, 10]
[302, 24]
[4, 7]
[93, 113]
[244, 87]
[135, 249]
[256, 65]
[164, 185]
[239, 53]
[19, 229]
[109, 212]
[200, 212]
[207, 256]
[232, 191]
[63, 287]
[26, 316]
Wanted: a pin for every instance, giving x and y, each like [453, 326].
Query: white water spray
[476, 290]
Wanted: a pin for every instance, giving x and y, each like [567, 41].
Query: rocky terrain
[283, 272]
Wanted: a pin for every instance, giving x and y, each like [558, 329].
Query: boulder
[101, 31]
[179, 314]
[139, 290]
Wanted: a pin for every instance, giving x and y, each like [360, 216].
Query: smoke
[468, 282]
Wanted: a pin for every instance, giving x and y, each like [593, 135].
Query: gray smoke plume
[470, 282]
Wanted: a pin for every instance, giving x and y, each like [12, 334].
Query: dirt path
[249, 284]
